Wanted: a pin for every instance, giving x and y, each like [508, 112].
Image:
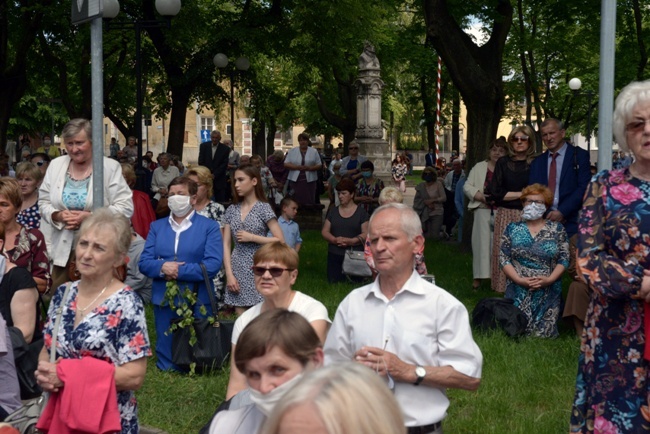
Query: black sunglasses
[275, 271]
[40, 163]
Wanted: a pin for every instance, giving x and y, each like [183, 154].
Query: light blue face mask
[366, 174]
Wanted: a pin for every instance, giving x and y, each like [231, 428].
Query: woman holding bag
[102, 339]
[174, 250]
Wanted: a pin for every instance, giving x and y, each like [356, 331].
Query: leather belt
[426, 429]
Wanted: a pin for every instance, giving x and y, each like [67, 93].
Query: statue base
[378, 151]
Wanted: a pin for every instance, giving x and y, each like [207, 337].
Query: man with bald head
[411, 332]
[214, 156]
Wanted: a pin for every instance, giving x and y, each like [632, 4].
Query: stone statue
[368, 59]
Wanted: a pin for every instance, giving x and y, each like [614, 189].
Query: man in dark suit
[430, 158]
[572, 174]
[214, 156]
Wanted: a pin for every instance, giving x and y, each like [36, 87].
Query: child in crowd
[289, 228]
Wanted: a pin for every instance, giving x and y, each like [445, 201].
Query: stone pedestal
[370, 132]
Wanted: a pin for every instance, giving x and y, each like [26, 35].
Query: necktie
[552, 173]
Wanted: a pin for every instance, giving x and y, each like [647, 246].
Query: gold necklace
[84, 309]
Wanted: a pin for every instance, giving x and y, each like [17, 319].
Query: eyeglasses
[353, 148]
[537, 202]
[637, 126]
[520, 139]
[40, 163]
[274, 271]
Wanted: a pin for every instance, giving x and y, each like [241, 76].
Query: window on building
[229, 130]
[207, 124]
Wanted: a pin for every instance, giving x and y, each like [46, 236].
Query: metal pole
[606, 85]
[139, 170]
[232, 108]
[97, 88]
[590, 94]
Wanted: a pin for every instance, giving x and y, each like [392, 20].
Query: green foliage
[527, 384]
[182, 301]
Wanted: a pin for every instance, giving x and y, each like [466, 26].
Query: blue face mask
[366, 174]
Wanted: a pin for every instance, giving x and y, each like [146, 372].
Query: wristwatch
[421, 373]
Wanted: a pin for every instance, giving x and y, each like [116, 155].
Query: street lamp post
[575, 84]
[220, 60]
[167, 9]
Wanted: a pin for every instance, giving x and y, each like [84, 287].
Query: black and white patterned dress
[215, 211]
[242, 255]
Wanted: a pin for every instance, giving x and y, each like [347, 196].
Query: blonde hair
[119, 225]
[390, 195]
[532, 140]
[29, 169]
[204, 176]
[349, 397]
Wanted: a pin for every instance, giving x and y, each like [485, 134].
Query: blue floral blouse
[115, 331]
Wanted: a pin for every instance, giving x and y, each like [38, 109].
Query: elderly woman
[65, 198]
[29, 178]
[268, 182]
[343, 398]
[162, 176]
[23, 246]
[174, 251]
[345, 227]
[429, 202]
[276, 269]
[143, 212]
[18, 296]
[277, 348]
[212, 210]
[612, 383]
[475, 188]
[368, 188]
[534, 254]
[102, 341]
[303, 164]
[275, 163]
[351, 165]
[509, 179]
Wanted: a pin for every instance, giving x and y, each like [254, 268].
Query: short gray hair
[75, 126]
[116, 223]
[637, 92]
[409, 219]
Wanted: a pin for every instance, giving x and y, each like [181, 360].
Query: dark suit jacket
[430, 159]
[574, 177]
[218, 164]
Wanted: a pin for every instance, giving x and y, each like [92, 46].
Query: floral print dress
[115, 331]
[215, 211]
[614, 249]
[536, 256]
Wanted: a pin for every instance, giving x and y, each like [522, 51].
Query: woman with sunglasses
[509, 179]
[351, 165]
[534, 254]
[276, 269]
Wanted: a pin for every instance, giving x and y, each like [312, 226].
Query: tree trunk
[476, 71]
[455, 121]
[180, 97]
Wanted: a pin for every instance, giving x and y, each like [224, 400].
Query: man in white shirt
[411, 332]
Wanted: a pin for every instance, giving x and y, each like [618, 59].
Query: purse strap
[57, 322]
[208, 287]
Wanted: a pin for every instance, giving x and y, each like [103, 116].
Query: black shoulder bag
[213, 339]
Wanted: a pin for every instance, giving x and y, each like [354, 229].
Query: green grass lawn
[527, 385]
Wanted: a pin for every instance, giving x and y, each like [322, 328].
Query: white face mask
[533, 211]
[266, 402]
[47, 143]
[179, 205]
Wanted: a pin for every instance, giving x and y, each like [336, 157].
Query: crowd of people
[397, 338]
